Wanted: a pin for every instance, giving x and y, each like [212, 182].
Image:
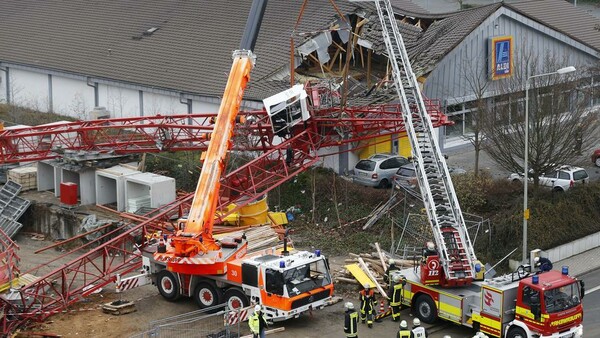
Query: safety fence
[214, 322]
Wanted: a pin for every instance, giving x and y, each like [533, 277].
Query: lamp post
[526, 157]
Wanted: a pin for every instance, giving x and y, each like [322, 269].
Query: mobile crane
[193, 263]
[449, 283]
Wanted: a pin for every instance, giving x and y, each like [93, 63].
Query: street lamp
[526, 159]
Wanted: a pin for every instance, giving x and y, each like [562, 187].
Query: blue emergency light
[535, 279]
[565, 270]
[282, 264]
[318, 253]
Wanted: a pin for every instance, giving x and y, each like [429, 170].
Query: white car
[561, 179]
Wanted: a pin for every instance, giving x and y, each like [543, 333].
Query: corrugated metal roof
[563, 17]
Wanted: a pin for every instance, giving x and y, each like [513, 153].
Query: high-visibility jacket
[418, 332]
[366, 299]
[387, 277]
[254, 323]
[404, 334]
[397, 295]
[351, 323]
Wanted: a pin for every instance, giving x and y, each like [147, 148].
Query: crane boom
[201, 217]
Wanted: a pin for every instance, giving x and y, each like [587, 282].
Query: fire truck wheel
[236, 298]
[207, 294]
[516, 332]
[425, 308]
[168, 286]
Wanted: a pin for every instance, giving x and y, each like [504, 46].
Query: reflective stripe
[403, 334]
[353, 320]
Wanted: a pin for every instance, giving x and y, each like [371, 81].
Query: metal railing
[214, 322]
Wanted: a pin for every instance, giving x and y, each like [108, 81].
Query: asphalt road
[591, 304]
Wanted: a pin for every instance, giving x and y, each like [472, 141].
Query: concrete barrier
[574, 248]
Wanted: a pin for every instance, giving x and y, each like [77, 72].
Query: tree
[559, 124]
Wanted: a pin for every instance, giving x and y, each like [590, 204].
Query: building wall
[74, 95]
[448, 81]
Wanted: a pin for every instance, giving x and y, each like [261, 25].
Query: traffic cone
[381, 306]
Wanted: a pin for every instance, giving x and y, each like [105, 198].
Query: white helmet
[447, 336]
[396, 278]
[367, 286]
[257, 308]
[430, 246]
[403, 324]
[349, 306]
[536, 259]
[416, 322]
[392, 261]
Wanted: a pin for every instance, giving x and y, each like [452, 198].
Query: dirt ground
[86, 319]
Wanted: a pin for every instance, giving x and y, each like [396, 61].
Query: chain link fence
[214, 322]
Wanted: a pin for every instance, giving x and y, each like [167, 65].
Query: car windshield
[563, 298]
[580, 175]
[367, 165]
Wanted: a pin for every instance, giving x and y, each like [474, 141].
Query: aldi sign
[501, 57]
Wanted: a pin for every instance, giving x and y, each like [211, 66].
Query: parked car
[596, 157]
[406, 176]
[377, 170]
[561, 179]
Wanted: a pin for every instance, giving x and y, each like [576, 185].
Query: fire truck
[449, 282]
[193, 263]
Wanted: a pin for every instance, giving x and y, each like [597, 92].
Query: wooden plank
[364, 266]
[380, 256]
[360, 274]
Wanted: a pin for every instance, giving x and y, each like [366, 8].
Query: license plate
[362, 174]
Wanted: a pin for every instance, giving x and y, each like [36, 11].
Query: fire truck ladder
[456, 251]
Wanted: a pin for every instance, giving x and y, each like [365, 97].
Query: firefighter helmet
[257, 308]
[403, 324]
[416, 322]
[392, 261]
[367, 286]
[349, 306]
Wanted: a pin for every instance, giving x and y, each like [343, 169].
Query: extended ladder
[454, 246]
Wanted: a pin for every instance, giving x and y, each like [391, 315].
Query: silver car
[377, 170]
[561, 179]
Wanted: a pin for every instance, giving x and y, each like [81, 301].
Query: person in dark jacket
[543, 263]
[418, 331]
[367, 305]
[404, 331]
[396, 298]
[350, 321]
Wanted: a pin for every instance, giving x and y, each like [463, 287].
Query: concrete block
[160, 189]
[45, 176]
[110, 185]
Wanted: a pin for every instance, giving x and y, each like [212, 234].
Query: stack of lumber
[368, 268]
[257, 237]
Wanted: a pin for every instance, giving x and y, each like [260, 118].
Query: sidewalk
[581, 263]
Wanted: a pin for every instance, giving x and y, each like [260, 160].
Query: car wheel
[383, 184]
[425, 309]
[168, 286]
[597, 162]
[558, 189]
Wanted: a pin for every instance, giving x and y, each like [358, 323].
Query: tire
[206, 295]
[383, 184]
[597, 162]
[235, 298]
[168, 285]
[516, 332]
[425, 309]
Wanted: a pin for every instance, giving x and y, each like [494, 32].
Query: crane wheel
[235, 298]
[168, 285]
[207, 295]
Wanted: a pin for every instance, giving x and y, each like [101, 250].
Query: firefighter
[257, 323]
[387, 277]
[367, 305]
[396, 300]
[350, 321]
[418, 331]
[543, 263]
[404, 331]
